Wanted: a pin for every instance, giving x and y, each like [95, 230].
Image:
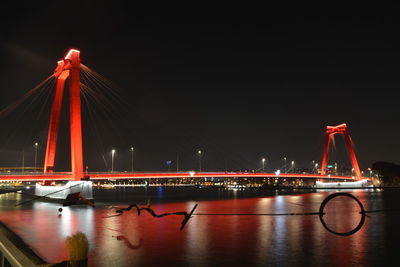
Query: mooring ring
[329, 198]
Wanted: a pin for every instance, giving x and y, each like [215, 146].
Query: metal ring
[330, 197]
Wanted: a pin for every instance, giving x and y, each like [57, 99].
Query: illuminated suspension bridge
[70, 68]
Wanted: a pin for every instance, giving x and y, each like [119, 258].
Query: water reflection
[209, 240]
[197, 242]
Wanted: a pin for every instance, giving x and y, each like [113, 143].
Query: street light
[263, 164]
[316, 167]
[112, 160]
[292, 166]
[23, 160]
[36, 148]
[199, 153]
[284, 159]
[132, 158]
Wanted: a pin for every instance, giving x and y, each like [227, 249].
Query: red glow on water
[131, 240]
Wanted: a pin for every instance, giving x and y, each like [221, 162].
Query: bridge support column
[54, 122]
[325, 154]
[330, 133]
[61, 192]
[69, 67]
[75, 117]
[352, 154]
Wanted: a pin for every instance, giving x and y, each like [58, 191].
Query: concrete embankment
[14, 251]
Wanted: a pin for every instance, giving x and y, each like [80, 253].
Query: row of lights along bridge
[200, 154]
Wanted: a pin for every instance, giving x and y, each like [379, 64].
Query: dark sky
[238, 84]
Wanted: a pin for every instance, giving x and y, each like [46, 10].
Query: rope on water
[186, 215]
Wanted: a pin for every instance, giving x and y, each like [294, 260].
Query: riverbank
[15, 252]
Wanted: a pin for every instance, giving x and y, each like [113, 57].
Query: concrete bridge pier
[62, 191]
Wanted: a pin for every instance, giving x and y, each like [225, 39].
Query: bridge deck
[164, 175]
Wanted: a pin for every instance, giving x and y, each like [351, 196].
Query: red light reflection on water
[205, 241]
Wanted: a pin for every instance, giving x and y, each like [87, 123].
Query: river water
[213, 240]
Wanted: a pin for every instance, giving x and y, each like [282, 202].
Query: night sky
[239, 85]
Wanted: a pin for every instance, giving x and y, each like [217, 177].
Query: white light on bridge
[191, 173]
[112, 160]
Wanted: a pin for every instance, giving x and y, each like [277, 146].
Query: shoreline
[16, 249]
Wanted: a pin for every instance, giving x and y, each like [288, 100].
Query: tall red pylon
[68, 67]
[330, 132]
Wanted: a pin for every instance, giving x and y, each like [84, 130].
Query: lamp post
[284, 159]
[292, 165]
[263, 164]
[36, 148]
[199, 153]
[112, 160]
[23, 160]
[132, 149]
[316, 167]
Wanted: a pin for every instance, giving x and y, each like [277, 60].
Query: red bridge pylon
[330, 133]
[68, 67]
